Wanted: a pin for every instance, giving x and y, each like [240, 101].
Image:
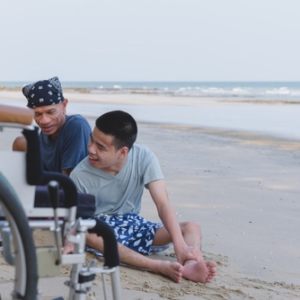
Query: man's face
[103, 154]
[50, 118]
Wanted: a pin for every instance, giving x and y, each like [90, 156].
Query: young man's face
[50, 118]
[103, 154]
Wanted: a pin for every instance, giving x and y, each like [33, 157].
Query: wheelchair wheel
[23, 255]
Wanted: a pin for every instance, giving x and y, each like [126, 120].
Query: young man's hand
[188, 253]
[68, 248]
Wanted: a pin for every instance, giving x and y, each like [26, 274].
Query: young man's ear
[123, 152]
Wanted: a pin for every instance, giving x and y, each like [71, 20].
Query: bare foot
[203, 271]
[172, 270]
[212, 268]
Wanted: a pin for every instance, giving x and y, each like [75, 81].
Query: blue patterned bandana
[44, 92]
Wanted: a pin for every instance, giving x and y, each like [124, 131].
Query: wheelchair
[31, 198]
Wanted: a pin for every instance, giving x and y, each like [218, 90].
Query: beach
[234, 168]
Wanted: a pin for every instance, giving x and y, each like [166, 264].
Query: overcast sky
[143, 40]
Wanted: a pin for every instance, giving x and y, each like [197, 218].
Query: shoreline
[76, 94]
[278, 121]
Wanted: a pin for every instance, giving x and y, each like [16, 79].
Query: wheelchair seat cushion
[86, 202]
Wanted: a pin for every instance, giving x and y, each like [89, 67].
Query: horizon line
[158, 81]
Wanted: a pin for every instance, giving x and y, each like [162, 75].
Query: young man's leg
[195, 268]
[135, 259]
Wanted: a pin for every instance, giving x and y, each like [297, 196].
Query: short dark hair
[121, 125]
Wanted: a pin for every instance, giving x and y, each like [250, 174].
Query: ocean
[275, 120]
[267, 91]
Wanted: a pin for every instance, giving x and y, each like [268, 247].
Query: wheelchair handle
[53, 191]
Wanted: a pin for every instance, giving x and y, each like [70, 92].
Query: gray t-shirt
[121, 193]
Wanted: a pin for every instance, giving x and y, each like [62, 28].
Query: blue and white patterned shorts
[134, 232]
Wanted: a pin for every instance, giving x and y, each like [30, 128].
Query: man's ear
[123, 152]
[65, 103]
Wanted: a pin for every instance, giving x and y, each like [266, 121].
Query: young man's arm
[167, 215]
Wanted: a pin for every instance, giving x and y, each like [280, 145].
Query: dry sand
[244, 191]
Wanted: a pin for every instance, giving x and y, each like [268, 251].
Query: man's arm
[20, 144]
[76, 138]
[67, 171]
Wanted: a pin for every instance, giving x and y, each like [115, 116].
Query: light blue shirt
[121, 193]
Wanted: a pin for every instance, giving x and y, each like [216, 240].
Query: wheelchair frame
[17, 205]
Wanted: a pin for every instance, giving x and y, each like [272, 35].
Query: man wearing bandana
[63, 138]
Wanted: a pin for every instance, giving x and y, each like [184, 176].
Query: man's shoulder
[76, 119]
[76, 124]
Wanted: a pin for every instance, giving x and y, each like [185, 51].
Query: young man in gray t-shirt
[116, 172]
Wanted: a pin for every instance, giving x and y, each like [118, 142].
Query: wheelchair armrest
[111, 254]
[13, 114]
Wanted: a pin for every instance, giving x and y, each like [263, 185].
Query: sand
[243, 188]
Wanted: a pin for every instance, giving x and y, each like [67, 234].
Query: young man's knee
[191, 226]
[94, 241]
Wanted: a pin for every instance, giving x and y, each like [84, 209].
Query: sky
[157, 40]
